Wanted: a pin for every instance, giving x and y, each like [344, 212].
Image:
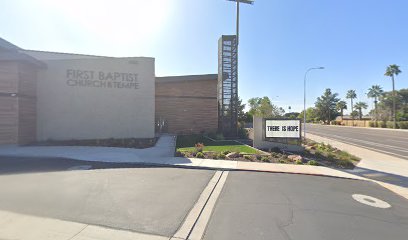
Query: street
[386, 141]
[157, 200]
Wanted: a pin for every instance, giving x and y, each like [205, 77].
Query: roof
[187, 78]
[7, 45]
[17, 56]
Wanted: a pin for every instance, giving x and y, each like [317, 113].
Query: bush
[403, 124]
[373, 124]
[383, 124]
[313, 163]
[265, 159]
[221, 156]
[179, 154]
[199, 155]
[299, 162]
[219, 136]
[390, 124]
[276, 150]
[242, 133]
[199, 147]
[258, 157]
[248, 157]
[226, 152]
[281, 161]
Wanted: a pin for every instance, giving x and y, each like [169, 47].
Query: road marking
[370, 201]
[196, 221]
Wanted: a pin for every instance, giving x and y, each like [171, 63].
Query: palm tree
[392, 71]
[360, 106]
[351, 94]
[340, 106]
[375, 92]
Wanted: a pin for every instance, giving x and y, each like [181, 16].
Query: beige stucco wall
[90, 112]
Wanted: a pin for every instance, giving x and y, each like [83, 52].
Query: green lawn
[187, 143]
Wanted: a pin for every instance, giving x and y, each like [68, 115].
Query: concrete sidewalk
[27, 227]
[164, 148]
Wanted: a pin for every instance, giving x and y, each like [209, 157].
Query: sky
[279, 39]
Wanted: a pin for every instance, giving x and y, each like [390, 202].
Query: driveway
[284, 206]
[146, 200]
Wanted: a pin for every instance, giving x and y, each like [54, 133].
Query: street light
[304, 99]
[240, 1]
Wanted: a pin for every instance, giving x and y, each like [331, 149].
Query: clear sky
[279, 39]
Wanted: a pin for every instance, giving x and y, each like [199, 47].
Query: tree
[311, 115]
[241, 112]
[360, 106]
[263, 107]
[375, 92]
[351, 94]
[392, 71]
[341, 106]
[326, 106]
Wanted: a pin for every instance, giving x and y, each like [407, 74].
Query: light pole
[304, 100]
[240, 1]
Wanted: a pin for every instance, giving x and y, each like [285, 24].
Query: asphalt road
[286, 206]
[390, 142]
[131, 197]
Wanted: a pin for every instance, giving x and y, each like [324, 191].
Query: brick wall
[17, 103]
[187, 105]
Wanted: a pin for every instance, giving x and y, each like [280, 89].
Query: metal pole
[304, 100]
[237, 24]
[304, 105]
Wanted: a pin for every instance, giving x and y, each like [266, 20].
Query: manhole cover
[80, 167]
[370, 201]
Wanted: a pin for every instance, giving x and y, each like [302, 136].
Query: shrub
[179, 154]
[281, 161]
[221, 156]
[242, 133]
[390, 124]
[226, 152]
[403, 124]
[299, 162]
[313, 163]
[276, 150]
[383, 124]
[258, 157]
[199, 155]
[199, 147]
[248, 157]
[219, 136]
[265, 159]
[373, 124]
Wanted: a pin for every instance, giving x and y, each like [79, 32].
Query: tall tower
[228, 85]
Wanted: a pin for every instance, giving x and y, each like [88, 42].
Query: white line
[202, 205]
[201, 224]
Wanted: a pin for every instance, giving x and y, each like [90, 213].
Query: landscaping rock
[233, 155]
[295, 158]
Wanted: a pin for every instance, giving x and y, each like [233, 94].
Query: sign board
[282, 128]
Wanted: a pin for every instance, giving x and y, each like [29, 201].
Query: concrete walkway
[164, 148]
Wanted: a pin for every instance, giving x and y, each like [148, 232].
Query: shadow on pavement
[398, 180]
[21, 165]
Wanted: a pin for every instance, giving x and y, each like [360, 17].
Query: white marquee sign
[282, 128]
